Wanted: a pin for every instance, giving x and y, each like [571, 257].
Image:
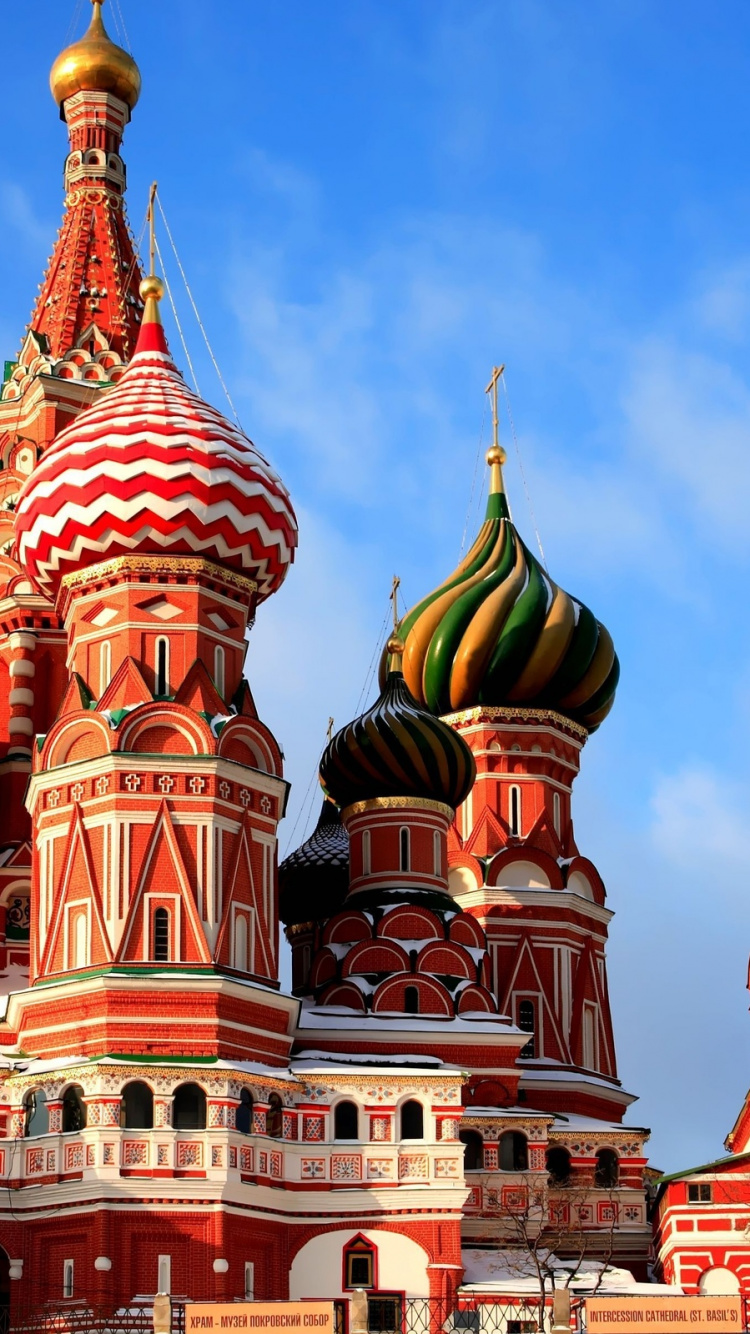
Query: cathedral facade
[441, 1079]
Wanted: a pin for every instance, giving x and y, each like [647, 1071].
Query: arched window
[73, 1109]
[514, 812]
[404, 856]
[161, 935]
[68, 1278]
[589, 1038]
[243, 1117]
[219, 673]
[105, 665]
[162, 666]
[366, 859]
[275, 1116]
[437, 854]
[345, 1121]
[412, 1120]
[558, 1166]
[607, 1171]
[473, 1150]
[514, 1154]
[411, 1000]
[527, 1024]
[359, 1264]
[189, 1108]
[137, 1106]
[35, 1114]
[80, 940]
[556, 819]
[240, 941]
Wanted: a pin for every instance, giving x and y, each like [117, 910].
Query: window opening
[385, 1314]
[137, 1106]
[412, 1120]
[404, 858]
[556, 820]
[514, 1154]
[473, 1150]
[243, 1117]
[514, 818]
[35, 1113]
[189, 1108]
[607, 1169]
[240, 942]
[558, 1166]
[105, 665]
[249, 1281]
[411, 1000]
[68, 1268]
[73, 1109]
[161, 935]
[366, 852]
[345, 1121]
[700, 1193]
[275, 1116]
[219, 662]
[162, 666]
[527, 1024]
[437, 856]
[80, 940]
[359, 1265]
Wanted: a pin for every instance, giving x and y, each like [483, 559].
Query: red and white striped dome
[151, 468]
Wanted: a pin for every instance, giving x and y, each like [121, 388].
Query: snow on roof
[513, 1271]
[343, 1018]
[327, 1064]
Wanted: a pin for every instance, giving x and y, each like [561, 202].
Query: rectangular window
[700, 1193]
[249, 1281]
[68, 1278]
[384, 1315]
[164, 1274]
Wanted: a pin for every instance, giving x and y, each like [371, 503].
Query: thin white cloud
[700, 825]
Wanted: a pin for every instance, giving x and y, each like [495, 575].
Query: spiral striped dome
[397, 749]
[499, 631]
[152, 468]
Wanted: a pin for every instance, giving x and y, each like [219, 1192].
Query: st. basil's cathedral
[174, 1120]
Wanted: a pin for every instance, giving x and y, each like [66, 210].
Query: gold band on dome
[106, 569]
[397, 804]
[508, 714]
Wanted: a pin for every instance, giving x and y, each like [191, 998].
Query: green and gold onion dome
[500, 632]
[397, 749]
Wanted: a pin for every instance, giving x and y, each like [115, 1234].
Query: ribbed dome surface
[95, 64]
[397, 749]
[152, 468]
[499, 631]
[314, 879]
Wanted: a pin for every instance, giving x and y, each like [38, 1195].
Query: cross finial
[330, 728]
[492, 391]
[151, 226]
[394, 599]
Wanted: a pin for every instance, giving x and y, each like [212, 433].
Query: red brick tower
[80, 336]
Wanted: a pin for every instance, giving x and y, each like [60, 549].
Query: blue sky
[375, 202]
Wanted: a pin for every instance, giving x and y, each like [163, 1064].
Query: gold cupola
[95, 64]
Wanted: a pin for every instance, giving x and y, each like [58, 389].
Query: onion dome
[397, 749]
[313, 880]
[500, 632]
[152, 468]
[95, 65]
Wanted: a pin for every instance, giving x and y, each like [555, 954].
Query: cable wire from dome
[521, 470]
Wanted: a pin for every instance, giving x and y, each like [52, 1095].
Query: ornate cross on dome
[492, 391]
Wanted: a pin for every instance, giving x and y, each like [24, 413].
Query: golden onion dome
[95, 64]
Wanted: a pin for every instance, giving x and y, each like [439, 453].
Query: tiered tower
[524, 673]
[80, 336]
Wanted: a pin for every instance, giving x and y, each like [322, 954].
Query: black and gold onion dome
[314, 879]
[397, 749]
[500, 632]
[95, 64]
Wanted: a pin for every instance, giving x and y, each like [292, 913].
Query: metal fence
[67, 1318]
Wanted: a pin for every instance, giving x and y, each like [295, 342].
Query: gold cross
[492, 391]
[394, 600]
[152, 227]
[330, 728]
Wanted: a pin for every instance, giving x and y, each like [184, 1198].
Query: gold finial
[151, 286]
[496, 455]
[395, 645]
[95, 64]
